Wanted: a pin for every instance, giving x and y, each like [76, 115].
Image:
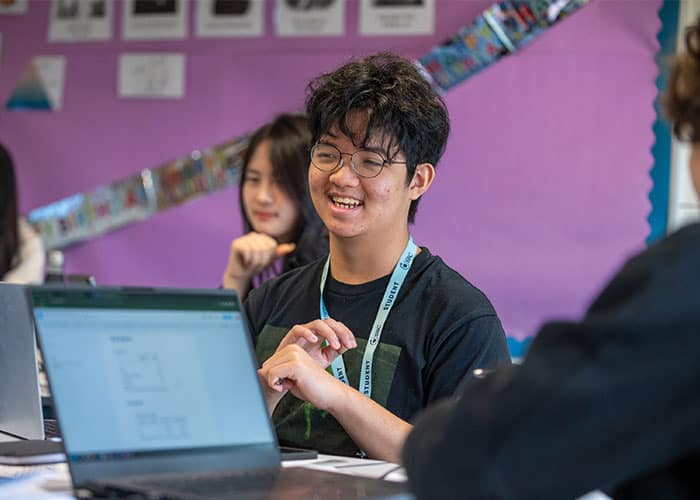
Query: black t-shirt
[440, 329]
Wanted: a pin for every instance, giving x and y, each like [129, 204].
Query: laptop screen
[138, 373]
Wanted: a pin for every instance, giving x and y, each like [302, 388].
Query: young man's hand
[322, 339]
[292, 369]
[250, 254]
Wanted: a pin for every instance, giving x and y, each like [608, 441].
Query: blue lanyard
[390, 294]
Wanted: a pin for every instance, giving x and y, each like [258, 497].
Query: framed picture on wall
[310, 17]
[77, 20]
[223, 18]
[154, 19]
[397, 17]
[13, 6]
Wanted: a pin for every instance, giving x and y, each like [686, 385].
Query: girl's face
[268, 207]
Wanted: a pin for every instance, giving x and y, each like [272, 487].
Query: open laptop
[21, 415]
[156, 393]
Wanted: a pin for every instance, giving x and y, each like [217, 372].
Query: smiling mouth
[346, 203]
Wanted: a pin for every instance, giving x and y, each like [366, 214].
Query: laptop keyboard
[51, 429]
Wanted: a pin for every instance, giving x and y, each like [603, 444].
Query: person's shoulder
[678, 252]
[295, 279]
[445, 285]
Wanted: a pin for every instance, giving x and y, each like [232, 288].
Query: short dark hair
[9, 236]
[290, 141]
[400, 104]
[682, 100]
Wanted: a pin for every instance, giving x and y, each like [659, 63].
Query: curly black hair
[401, 106]
[682, 99]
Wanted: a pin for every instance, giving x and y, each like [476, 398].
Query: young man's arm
[373, 428]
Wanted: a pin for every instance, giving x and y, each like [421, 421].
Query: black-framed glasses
[364, 163]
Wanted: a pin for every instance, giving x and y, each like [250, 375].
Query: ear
[422, 179]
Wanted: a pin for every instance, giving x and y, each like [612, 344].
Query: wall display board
[80, 20]
[152, 75]
[538, 198]
[14, 7]
[41, 85]
[397, 17]
[154, 19]
[230, 18]
[310, 17]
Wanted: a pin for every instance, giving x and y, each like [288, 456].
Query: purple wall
[541, 194]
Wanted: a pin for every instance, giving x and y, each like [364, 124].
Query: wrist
[272, 399]
[240, 284]
[341, 397]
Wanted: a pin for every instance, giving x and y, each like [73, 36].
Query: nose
[265, 192]
[345, 176]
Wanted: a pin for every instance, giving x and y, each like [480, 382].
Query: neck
[355, 260]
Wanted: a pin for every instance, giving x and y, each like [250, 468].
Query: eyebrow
[374, 149]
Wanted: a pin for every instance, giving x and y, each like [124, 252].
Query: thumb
[284, 249]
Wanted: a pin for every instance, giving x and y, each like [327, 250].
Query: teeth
[346, 202]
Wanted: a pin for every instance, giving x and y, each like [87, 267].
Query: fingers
[296, 333]
[344, 335]
[293, 369]
[336, 334]
[253, 252]
[284, 249]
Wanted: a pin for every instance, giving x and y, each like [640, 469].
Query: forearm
[372, 427]
[241, 285]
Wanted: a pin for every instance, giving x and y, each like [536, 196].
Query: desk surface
[49, 482]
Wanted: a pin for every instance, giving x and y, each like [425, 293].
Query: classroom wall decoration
[541, 193]
[500, 30]
[110, 207]
[41, 85]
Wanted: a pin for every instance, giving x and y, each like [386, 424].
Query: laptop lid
[149, 381]
[20, 393]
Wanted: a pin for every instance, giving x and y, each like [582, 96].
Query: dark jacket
[610, 402]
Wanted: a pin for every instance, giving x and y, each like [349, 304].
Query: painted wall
[539, 198]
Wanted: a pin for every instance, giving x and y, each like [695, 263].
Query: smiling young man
[409, 328]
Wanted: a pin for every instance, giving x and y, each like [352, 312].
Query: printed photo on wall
[13, 6]
[230, 18]
[310, 17]
[154, 19]
[40, 86]
[80, 20]
[397, 17]
[152, 75]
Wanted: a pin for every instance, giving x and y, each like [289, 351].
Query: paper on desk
[353, 466]
[45, 483]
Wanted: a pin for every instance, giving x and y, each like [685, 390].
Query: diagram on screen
[154, 427]
[141, 371]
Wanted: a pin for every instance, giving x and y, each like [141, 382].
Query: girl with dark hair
[21, 250]
[282, 229]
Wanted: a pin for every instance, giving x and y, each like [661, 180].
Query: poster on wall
[224, 18]
[13, 6]
[41, 85]
[310, 17]
[397, 17]
[80, 20]
[151, 75]
[154, 19]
